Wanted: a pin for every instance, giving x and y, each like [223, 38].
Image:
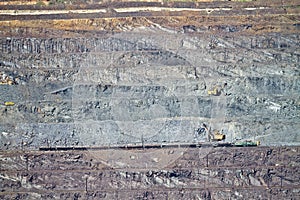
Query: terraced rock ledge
[100, 73]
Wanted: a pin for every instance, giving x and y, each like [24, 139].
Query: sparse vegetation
[40, 3]
[54, 2]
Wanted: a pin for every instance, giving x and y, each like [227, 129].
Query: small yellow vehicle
[8, 82]
[215, 91]
[214, 135]
[217, 136]
[9, 103]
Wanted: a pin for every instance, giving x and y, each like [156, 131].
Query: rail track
[142, 146]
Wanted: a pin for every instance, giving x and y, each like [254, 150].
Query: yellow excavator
[216, 90]
[6, 81]
[9, 103]
[214, 135]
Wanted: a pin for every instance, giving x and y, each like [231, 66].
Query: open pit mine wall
[220, 173]
[149, 85]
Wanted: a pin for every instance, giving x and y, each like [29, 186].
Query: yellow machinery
[215, 91]
[217, 136]
[212, 92]
[6, 80]
[9, 103]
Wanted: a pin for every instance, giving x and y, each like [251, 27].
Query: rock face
[77, 78]
[139, 86]
[133, 76]
[216, 174]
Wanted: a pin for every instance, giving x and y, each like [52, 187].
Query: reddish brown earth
[205, 173]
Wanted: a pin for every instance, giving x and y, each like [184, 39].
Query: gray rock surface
[139, 86]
